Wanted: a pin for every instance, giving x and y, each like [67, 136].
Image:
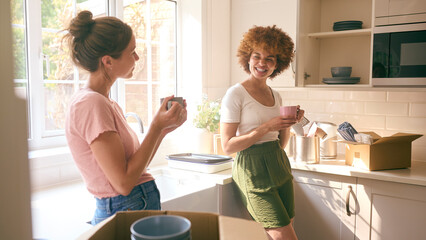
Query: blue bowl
[161, 227]
[341, 71]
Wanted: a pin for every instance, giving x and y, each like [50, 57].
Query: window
[46, 78]
[154, 25]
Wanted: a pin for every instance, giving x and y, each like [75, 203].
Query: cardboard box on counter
[385, 153]
[204, 226]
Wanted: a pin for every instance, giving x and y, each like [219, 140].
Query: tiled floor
[61, 212]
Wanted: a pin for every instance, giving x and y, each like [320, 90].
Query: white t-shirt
[238, 106]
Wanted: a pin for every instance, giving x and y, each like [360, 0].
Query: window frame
[38, 138]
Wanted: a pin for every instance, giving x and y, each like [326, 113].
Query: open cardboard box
[204, 226]
[385, 153]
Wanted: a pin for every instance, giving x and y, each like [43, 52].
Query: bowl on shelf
[341, 71]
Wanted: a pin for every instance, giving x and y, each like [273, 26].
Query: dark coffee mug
[175, 99]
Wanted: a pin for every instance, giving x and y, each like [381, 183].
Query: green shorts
[262, 173]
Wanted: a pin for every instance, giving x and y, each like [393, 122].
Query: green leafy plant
[208, 115]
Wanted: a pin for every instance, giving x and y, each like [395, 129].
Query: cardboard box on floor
[204, 226]
[385, 153]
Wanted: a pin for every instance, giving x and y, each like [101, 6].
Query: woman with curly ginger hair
[251, 125]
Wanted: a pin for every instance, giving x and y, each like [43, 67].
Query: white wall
[247, 13]
[204, 53]
[217, 51]
[190, 51]
[15, 209]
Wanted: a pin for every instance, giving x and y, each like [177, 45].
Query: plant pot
[202, 141]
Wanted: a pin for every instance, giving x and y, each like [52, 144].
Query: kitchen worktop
[415, 175]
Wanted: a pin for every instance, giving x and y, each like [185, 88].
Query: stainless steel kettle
[328, 145]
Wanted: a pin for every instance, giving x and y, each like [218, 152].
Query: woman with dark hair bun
[105, 149]
[252, 126]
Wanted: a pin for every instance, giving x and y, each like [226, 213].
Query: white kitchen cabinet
[230, 203]
[399, 11]
[320, 48]
[379, 210]
[200, 201]
[325, 206]
[390, 210]
[222, 199]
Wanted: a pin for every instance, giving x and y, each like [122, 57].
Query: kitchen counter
[221, 178]
[415, 175]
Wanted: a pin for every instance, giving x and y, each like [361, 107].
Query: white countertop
[221, 177]
[415, 175]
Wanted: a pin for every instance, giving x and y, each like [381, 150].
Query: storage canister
[307, 149]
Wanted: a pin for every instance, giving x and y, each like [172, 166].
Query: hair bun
[81, 26]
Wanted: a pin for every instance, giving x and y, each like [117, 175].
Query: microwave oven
[399, 55]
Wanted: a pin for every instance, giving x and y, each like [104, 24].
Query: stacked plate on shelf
[341, 75]
[347, 25]
[341, 80]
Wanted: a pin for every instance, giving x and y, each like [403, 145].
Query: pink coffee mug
[288, 111]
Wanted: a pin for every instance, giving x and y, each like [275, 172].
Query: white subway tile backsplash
[394, 109]
[323, 117]
[330, 95]
[344, 107]
[407, 97]
[417, 125]
[309, 106]
[366, 96]
[335, 118]
[294, 95]
[418, 110]
[366, 122]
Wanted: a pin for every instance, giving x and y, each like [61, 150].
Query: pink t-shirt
[91, 114]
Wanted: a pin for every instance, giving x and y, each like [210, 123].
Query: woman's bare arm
[109, 151]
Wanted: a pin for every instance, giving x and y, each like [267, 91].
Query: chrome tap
[132, 114]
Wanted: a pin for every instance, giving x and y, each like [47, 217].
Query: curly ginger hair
[270, 39]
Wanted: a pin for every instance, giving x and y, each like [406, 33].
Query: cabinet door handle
[348, 195]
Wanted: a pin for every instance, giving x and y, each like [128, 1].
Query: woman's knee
[285, 232]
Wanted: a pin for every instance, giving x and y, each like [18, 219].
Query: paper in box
[385, 153]
[204, 226]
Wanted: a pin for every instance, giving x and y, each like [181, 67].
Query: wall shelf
[336, 34]
[337, 85]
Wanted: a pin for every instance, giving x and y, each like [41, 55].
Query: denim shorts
[143, 197]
